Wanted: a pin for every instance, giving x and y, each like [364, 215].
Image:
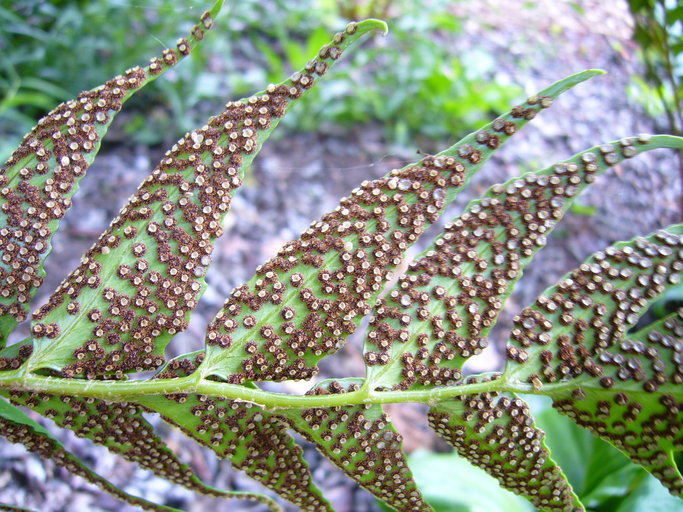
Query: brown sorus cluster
[646, 428]
[362, 442]
[50, 449]
[118, 426]
[339, 265]
[163, 239]
[254, 440]
[38, 180]
[451, 296]
[629, 275]
[497, 434]
[12, 362]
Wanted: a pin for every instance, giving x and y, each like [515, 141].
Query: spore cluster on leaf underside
[163, 240]
[137, 286]
[304, 302]
[50, 161]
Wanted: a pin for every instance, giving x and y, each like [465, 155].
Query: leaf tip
[372, 24]
[216, 8]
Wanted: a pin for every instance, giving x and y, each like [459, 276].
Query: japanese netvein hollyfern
[137, 286]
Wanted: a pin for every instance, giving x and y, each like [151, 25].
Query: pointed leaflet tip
[216, 8]
[570, 81]
[351, 241]
[42, 174]
[443, 319]
[373, 24]
[208, 164]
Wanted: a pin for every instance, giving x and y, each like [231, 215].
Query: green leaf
[362, 442]
[650, 496]
[450, 483]
[598, 472]
[123, 430]
[443, 307]
[573, 346]
[253, 439]
[41, 176]
[136, 287]
[19, 428]
[300, 305]
[497, 433]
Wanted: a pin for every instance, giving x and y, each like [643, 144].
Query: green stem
[124, 391]
[129, 390]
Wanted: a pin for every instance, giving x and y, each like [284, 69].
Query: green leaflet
[497, 433]
[253, 439]
[41, 176]
[136, 287]
[642, 413]
[442, 308]
[15, 355]
[300, 305]
[122, 429]
[362, 442]
[19, 428]
[625, 389]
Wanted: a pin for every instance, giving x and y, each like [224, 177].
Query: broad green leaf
[19, 428]
[362, 442]
[573, 346]
[253, 439]
[450, 483]
[443, 307]
[598, 472]
[122, 429]
[136, 287]
[300, 305]
[497, 433]
[650, 496]
[41, 176]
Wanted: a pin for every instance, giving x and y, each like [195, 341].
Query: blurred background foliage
[411, 82]
[659, 34]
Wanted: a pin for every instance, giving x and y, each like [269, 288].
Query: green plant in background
[35, 35]
[114, 315]
[659, 33]
[413, 86]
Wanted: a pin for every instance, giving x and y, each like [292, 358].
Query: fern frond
[442, 308]
[573, 345]
[136, 287]
[42, 174]
[300, 305]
